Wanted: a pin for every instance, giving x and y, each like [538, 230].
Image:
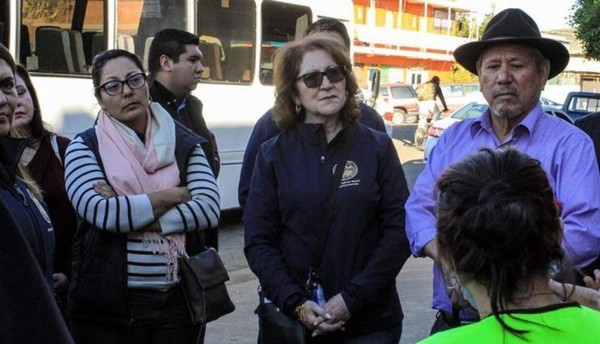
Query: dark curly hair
[498, 223]
[286, 68]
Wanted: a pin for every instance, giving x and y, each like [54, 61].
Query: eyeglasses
[315, 79]
[115, 87]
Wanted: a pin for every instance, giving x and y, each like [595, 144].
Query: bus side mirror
[374, 81]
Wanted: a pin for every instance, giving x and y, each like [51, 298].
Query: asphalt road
[413, 282]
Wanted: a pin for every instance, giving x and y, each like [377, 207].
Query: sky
[548, 14]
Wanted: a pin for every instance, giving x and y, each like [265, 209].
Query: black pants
[157, 318]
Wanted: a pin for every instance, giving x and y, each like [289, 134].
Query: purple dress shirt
[567, 156]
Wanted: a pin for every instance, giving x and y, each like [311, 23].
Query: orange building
[412, 40]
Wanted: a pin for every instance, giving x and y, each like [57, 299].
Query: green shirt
[564, 323]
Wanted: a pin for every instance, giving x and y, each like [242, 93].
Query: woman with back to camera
[365, 245]
[44, 156]
[145, 190]
[499, 231]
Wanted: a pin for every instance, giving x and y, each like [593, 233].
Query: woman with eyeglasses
[293, 193]
[143, 186]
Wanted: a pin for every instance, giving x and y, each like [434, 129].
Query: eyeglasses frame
[123, 82]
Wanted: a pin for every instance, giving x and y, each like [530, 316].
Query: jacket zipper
[38, 230]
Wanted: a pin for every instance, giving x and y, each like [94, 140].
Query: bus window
[61, 34]
[282, 23]
[227, 31]
[141, 19]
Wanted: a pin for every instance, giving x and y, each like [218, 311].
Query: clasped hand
[327, 319]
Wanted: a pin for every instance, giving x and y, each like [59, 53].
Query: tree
[464, 23]
[585, 19]
[464, 29]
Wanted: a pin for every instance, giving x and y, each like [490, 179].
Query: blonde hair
[24, 176]
[22, 172]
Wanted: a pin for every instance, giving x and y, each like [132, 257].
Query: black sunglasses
[315, 79]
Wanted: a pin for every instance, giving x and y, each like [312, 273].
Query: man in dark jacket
[175, 68]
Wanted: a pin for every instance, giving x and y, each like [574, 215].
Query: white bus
[57, 40]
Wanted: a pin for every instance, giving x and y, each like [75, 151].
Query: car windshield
[471, 110]
[383, 91]
[403, 92]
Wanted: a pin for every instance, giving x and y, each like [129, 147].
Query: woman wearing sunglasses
[292, 206]
[143, 186]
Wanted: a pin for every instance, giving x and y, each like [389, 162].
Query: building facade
[412, 40]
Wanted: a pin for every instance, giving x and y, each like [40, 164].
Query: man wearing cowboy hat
[513, 63]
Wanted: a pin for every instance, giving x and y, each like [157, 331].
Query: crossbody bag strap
[331, 198]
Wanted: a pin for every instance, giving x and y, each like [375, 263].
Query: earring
[298, 108]
[553, 269]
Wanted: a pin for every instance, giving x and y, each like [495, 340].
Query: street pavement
[413, 282]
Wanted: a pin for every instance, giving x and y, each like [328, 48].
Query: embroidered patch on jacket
[350, 172]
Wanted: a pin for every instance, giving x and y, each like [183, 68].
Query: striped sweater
[128, 214]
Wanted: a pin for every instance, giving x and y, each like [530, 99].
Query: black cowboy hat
[513, 26]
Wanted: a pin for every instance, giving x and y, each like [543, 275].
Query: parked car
[472, 110]
[458, 94]
[580, 104]
[398, 103]
[552, 103]
[365, 97]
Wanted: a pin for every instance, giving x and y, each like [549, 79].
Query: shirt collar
[314, 133]
[165, 96]
[526, 125]
[10, 152]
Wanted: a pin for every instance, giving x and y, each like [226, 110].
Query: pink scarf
[133, 168]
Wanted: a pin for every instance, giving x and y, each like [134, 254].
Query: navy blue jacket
[28, 311]
[366, 245]
[265, 129]
[31, 213]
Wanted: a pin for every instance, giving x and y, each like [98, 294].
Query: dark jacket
[28, 312]
[31, 212]
[590, 124]
[265, 129]
[98, 286]
[191, 117]
[49, 173]
[366, 245]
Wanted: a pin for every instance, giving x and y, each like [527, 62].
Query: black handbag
[274, 327]
[203, 278]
